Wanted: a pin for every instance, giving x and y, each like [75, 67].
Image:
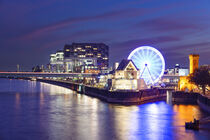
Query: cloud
[70, 21]
[127, 46]
[110, 16]
[168, 24]
[149, 41]
[196, 47]
[179, 53]
[74, 36]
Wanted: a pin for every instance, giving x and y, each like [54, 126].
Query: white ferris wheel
[150, 62]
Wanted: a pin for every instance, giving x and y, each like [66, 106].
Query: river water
[32, 110]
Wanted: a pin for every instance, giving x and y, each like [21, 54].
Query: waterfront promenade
[120, 97]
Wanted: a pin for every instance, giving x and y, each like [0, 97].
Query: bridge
[46, 74]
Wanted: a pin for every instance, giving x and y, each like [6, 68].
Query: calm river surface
[38, 111]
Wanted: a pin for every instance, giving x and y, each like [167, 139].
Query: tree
[201, 78]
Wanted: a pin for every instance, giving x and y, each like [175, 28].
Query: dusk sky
[30, 30]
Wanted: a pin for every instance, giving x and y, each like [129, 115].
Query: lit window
[87, 46]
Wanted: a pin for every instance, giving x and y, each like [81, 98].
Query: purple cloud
[192, 47]
[108, 16]
[168, 24]
[148, 41]
[127, 46]
[74, 36]
[61, 24]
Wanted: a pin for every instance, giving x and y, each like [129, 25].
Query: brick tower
[194, 62]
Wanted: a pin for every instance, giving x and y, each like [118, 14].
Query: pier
[84, 86]
[119, 97]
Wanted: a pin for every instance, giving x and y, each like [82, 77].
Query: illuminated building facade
[184, 84]
[177, 71]
[172, 76]
[126, 77]
[86, 57]
[56, 62]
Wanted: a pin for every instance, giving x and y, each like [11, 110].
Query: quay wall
[204, 103]
[191, 98]
[73, 86]
[119, 97]
[127, 97]
[180, 97]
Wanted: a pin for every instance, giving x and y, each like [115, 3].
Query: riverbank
[180, 97]
[118, 97]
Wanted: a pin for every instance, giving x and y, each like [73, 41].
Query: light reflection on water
[33, 110]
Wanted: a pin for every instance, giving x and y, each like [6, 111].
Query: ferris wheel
[150, 62]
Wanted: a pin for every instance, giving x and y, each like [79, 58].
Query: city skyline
[34, 30]
[104, 69]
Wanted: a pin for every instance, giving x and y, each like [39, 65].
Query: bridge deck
[45, 74]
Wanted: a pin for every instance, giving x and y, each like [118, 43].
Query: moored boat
[192, 125]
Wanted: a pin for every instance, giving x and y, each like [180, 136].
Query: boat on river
[192, 125]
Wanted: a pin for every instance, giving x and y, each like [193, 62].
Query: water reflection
[126, 121]
[53, 89]
[17, 100]
[41, 96]
[43, 111]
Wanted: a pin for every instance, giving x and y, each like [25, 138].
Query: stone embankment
[180, 97]
[204, 102]
[119, 97]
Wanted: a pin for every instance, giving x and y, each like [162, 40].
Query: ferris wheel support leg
[142, 72]
[150, 75]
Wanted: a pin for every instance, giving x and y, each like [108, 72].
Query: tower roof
[194, 55]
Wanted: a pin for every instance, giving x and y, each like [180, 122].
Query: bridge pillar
[169, 96]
